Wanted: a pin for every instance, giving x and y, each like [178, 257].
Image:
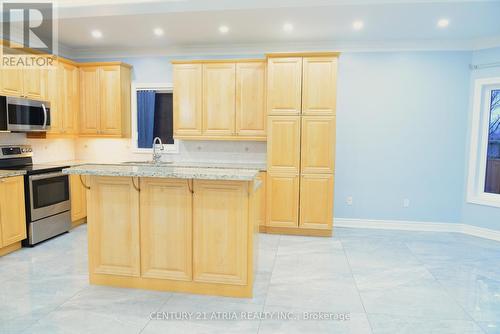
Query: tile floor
[386, 281]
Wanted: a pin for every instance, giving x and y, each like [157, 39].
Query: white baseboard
[418, 226]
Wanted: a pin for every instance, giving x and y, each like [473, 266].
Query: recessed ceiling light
[223, 29]
[443, 23]
[96, 33]
[358, 25]
[288, 27]
[158, 31]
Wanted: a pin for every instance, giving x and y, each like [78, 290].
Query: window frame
[167, 148]
[478, 151]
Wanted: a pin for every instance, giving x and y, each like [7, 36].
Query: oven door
[49, 194]
[25, 115]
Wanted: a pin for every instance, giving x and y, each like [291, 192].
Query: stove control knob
[23, 150]
[30, 149]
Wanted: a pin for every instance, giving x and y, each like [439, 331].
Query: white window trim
[479, 145]
[167, 148]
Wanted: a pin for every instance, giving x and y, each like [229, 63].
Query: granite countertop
[166, 171]
[9, 173]
[261, 166]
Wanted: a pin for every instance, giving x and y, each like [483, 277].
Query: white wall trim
[479, 144]
[403, 225]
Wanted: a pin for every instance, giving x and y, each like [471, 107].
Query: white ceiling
[191, 26]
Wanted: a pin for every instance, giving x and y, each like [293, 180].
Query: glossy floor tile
[360, 281]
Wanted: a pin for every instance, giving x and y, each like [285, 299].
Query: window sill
[485, 199]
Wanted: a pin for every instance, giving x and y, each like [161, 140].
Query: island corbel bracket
[83, 183]
[138, 184]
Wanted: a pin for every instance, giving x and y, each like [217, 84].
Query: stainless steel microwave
[24, 115]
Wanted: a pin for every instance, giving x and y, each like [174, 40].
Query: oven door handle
[46, 176]
[44, 116]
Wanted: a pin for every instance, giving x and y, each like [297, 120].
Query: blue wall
[473, 214]
[401, 132]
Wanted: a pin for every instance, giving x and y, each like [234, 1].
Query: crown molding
[259, 49]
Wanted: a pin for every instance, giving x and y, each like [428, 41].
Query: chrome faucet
[157, 155]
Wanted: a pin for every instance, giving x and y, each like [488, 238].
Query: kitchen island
[185, 229]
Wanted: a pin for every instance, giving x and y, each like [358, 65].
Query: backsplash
[44, 150]
[119, 150]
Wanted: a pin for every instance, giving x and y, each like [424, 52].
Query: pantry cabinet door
[250, 99]
[12, 211]
[187, 104]
[319, 85]
[89, 100]
[110, 101]
[166, 228]
[318, 144]
[220, 232]
[219, 80]
[283, 144]
[284, 77]
[282, 199]
[113, 226]
[316, 201]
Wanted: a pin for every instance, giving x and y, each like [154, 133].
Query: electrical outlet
[406, 203]
[349, 200]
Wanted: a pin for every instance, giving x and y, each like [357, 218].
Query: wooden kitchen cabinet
[261, 216]
[220, 231]
[319, 85]
[283, 144]
[12, 211]
[78, 195]
[64, 96]
[250, 99]
[282, 204]
[11, 82]
[69, 97]
[219, 99]
[105, 99]
[318, 144]
[187, 99]
[284, 86]
[27, 83]
[166, 228]
[316, 201]
[89, 100]
[113, 223]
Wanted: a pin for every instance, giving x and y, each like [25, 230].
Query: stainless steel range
[47, 195]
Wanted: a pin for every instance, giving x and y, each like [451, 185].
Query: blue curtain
[145, 117]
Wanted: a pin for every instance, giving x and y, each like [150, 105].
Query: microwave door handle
[44, 116]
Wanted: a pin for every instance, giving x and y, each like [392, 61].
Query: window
[484, 166]
[152, 115]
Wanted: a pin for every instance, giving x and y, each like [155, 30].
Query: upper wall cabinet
[318, 85]
[105, 100]
[284, 85]
[219, 100]
[219, 80]
[63, 94]
[250, 99]
[28, 83]
[187, 99]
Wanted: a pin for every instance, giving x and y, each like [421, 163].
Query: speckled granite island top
[9, 173]
[235, 174]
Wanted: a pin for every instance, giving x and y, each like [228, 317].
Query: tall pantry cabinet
[301, 98]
